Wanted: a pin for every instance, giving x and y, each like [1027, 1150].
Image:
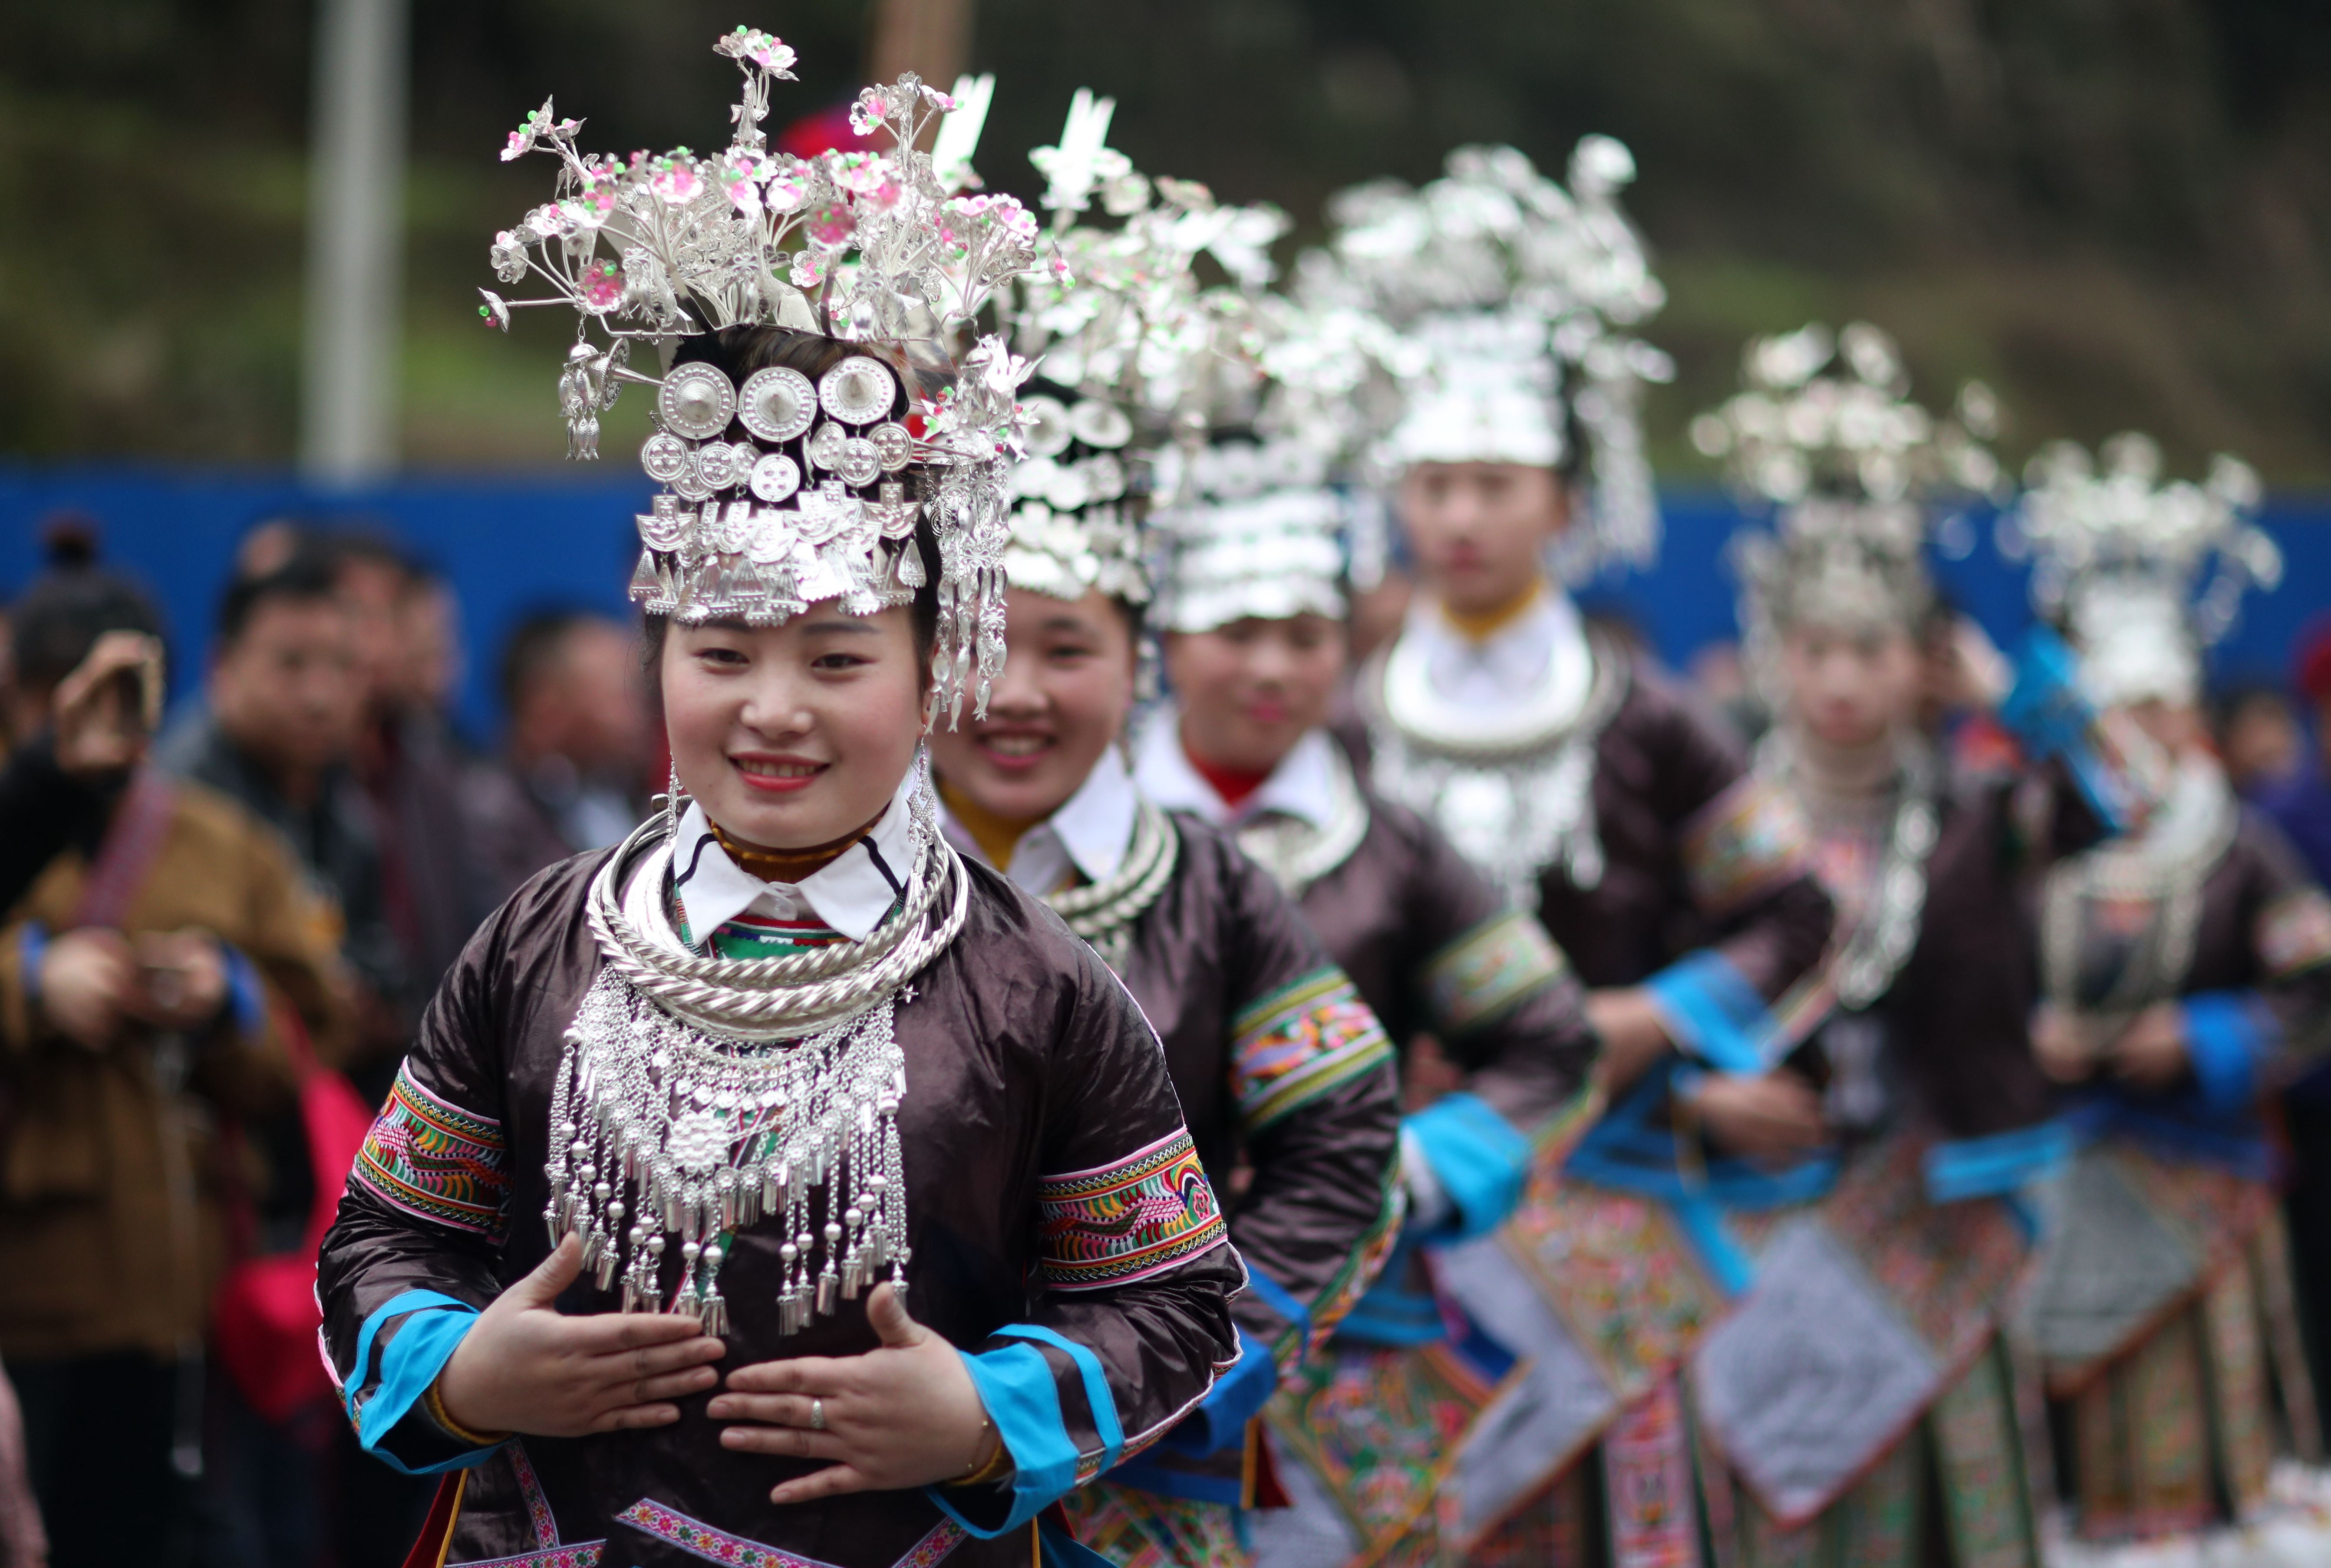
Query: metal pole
[356, 242]
[931, 38]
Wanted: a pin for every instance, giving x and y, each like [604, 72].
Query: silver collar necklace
[697, 1096]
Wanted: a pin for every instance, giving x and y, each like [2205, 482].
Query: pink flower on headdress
[676, 180]
[808, 270]
[764, 50]
[588, 208]
[495, 311]
[530, 131]
[943, 102]
[601, 288]
[865, 173]
[831, 225]
[868, 112]
[535, 128]
[545, 222]
[787, 191]
[740, 180]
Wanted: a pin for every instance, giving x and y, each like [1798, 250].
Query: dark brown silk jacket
[1032, 1083]
[1686, 863]
[1435, 952]
[1282, 1069]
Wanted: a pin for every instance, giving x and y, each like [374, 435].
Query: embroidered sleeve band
[1476, 978]
[1743, 844]
[1128, 1221]
[1299, 1041]
[429, 1157]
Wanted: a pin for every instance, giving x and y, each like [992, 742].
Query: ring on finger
[817, 1415]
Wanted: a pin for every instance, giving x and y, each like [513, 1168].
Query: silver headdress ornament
[780, 493]
[1255, 524]
[2119, 559]
[1519, 298]
[1125, 332]
[1826, 436]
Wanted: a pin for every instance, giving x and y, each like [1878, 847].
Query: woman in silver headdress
[1849, 1188]
[783, 1054]
[2181, 967]
[1569, 770]
[1489, 1022]
[1283, 1073]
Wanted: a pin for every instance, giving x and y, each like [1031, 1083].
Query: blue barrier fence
[515, 543]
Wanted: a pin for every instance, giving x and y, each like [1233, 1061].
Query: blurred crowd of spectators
[205, 916]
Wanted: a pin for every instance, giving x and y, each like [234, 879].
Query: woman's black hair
[66, 610]
[738, 351]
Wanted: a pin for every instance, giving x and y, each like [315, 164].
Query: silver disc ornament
[1048, 431]
[689, 483]
[775, 476]
[860, 464]
[894, 444]
[777, 404]
[858, 391]
[826, 447]
[663, 455]
[718, 466]
[696, 400]
[1101, 425]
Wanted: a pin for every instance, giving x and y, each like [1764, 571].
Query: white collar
[851, 895]
[1532, 675]
[1303, 784]
[1091, 831]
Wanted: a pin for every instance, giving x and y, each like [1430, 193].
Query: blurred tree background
[2118, 212]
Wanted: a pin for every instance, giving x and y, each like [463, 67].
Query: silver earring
[671, 806]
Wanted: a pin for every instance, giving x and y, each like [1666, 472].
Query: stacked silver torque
[699, 1097]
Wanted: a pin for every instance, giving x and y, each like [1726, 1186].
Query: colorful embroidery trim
[430, 1158]
[2294, 932]
[1300, 1041]
[1746, 842]
[529, 1490]
[582, 1554]
[698, 1539]
[1125, 1222]
[1487, 970]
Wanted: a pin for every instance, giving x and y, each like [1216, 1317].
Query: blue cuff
[1476, 1155]
[1997, 1165]
[409, 1365]
[1237, 1397]
[246, 1000]
[1015, 1383]
[31, 942]
[1712, 1012]
[2226, 1035]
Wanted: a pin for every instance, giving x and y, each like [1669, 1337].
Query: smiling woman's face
[793, 735]
[1066, 690]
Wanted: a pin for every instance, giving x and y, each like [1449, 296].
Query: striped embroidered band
[1128, 1221]
[1300, 1041]
[1497, 963]
[428, 1156]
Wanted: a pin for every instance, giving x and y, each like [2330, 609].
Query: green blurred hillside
[2115, 210]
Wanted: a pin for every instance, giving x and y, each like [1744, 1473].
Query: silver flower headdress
[1126, 332]
[780, 493]
[1254, 522]
[1518, 299]
[2120, 557]
[1826, 436]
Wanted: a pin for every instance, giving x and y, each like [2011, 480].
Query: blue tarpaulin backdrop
[510, 544]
